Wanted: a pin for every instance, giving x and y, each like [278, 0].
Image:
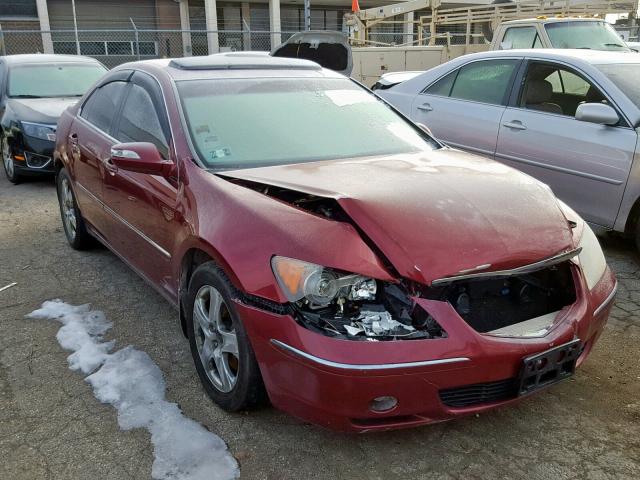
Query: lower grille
[35, 160]
[471, 395]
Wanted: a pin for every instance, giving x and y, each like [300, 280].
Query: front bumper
[32, 156]
[331, 382]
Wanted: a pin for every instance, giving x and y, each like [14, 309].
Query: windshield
[244, 123]
[589, 35]
[51, 80]
[625, 76]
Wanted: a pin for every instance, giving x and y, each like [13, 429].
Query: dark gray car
[567, 117]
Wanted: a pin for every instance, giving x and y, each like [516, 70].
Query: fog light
[383, 404]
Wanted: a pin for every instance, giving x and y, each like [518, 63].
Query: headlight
[591, 257]
[319, 285]
[40, 131]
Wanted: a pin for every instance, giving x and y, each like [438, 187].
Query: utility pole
[307, 15]
[75, 26]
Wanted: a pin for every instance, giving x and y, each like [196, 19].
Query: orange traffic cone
[355, 6]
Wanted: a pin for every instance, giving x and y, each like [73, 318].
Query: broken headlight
[319, 285]
[351, 306]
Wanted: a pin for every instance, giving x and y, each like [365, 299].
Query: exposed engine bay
[363, 312]
[488, 304]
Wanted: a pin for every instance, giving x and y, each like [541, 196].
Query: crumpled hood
[435, 214]
[41, 110]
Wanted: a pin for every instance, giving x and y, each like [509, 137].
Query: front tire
[220, 347]
[8, 163]
[74, 227]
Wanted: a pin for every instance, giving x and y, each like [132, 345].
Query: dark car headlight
[37, 130]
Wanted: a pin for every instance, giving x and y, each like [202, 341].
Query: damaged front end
[350, 306]
[522, 302]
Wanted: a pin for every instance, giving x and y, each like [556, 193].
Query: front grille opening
[480, 393]
[489, 304]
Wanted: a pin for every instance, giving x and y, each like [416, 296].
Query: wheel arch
[191, 259]
[632, 219]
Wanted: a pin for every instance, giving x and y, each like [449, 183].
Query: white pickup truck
[541, 32]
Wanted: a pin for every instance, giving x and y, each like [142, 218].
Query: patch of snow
[130, 381]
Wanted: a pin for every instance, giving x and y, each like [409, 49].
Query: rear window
[245, 123]
[625, 76]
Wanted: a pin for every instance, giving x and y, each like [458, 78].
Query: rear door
[145, 224]
[464, 108]
[89, 144]
[585, 164]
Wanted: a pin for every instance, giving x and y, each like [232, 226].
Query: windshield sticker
[220, 153]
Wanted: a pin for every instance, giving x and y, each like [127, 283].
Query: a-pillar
[45, 28]
[211, 16]
[274, 23]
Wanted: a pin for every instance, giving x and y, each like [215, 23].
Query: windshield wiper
[25, 96]
[613, 45]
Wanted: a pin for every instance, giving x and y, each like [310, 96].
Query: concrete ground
[52, 427]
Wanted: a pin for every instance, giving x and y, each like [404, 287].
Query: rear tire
[7, 161]
[74, 226]
[220, 347]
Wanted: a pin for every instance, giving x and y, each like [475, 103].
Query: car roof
[552, 20]
[46, 58]
[233, 64]
[594, 57]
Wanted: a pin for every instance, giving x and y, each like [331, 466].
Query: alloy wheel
[68, 208]
[7, 158]
[216, 339]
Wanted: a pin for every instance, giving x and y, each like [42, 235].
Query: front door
[89, 145]
[464, 108]
[145, 224]
[585, 164]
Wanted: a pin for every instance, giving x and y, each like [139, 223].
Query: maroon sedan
[323, 250]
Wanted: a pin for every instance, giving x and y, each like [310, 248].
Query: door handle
[109, 166]
[73, 145]
[425, 107]
[515, 125]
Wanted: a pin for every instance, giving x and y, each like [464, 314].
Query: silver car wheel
[68, 208]
[6, 157]
[216, 338]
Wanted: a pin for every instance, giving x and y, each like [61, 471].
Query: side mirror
[597, 113]
[141, 157]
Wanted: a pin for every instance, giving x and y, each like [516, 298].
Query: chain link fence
[113, 47]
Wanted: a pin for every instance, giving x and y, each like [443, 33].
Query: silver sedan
[567, 117]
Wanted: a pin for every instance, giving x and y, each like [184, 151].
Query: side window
[485, 81]
[574, 84]
[100, 107]
[443, 86]
[139, 121]
[556, 89]
[519, 37]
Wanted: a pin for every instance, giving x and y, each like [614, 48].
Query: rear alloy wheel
[7, 161]
[72, 221]
[220, 348]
